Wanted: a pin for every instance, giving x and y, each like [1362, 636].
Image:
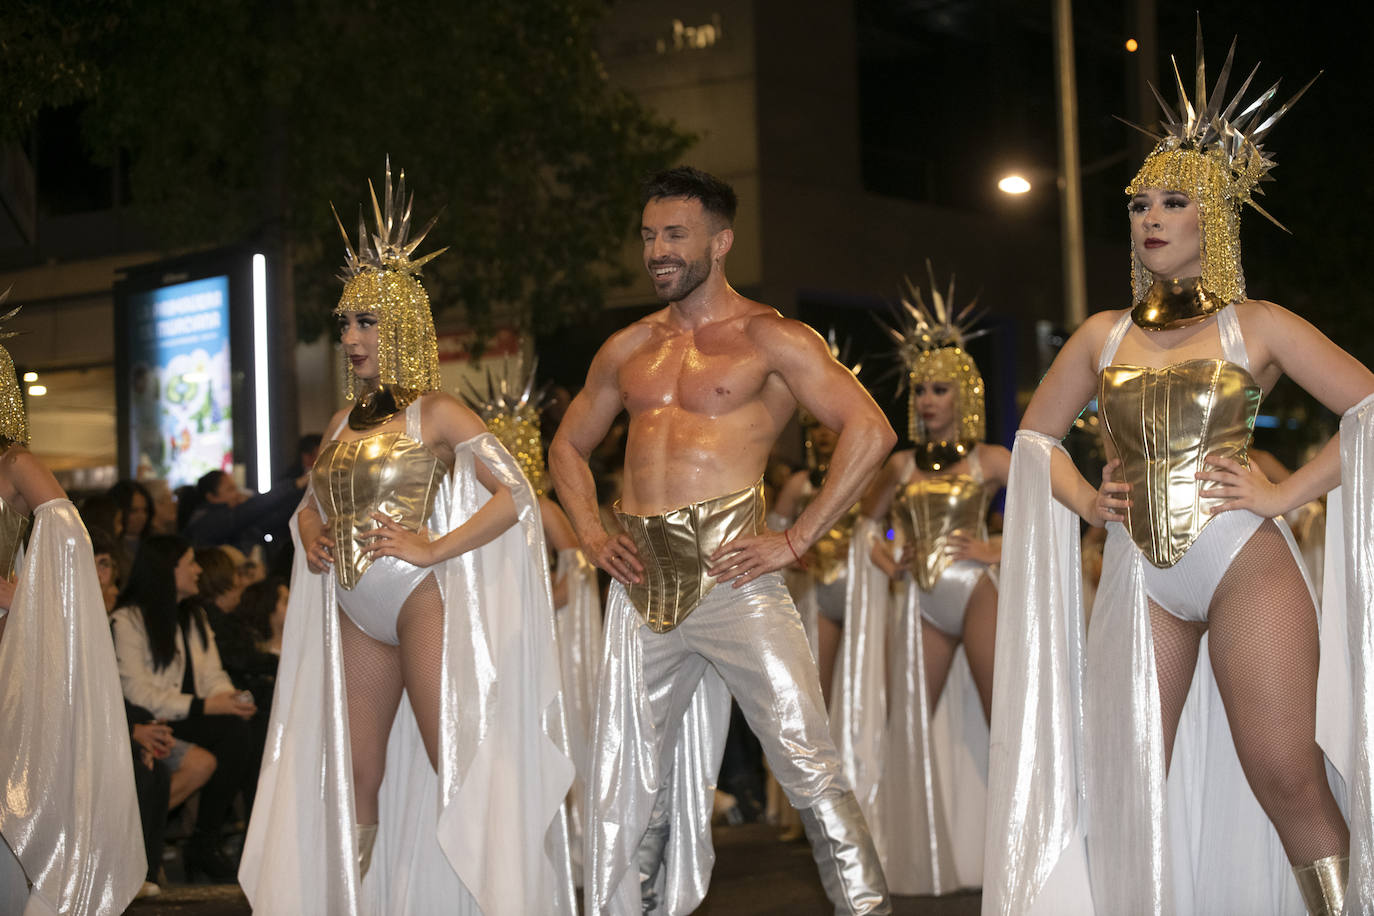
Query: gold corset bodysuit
[674, 546]
[931, 509]
[13, 527]
[387, 472]
[1163, 422]
[830, 554]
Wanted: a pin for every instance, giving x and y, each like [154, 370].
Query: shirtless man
[709, 382]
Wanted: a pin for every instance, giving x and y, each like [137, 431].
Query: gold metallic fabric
[1322, 884]
[830, 554]
[675, 546]
[13, 527]
[1162, 424]
[388, 473]
[933, 508]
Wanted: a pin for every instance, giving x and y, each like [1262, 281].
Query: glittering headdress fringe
[1212, 154]
[380, 277]
[930, 343]
[510, 408]
[840, 353]
[14, 422]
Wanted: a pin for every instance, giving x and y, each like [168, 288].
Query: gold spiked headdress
[1212, 154]
[840, 353]
[511, 412]
[14, 423]
[930, 342]
[381, 278]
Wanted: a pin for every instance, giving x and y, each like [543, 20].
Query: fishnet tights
[375, 674]
[1264, 652]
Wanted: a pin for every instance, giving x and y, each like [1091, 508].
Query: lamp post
[1070, 177]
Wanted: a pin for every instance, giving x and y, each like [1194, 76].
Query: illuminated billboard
[179, 381]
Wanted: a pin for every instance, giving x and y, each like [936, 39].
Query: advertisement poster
[181, 421]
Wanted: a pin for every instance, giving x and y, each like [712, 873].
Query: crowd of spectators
[197, 624]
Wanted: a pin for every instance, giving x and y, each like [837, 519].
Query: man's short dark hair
[716, 197]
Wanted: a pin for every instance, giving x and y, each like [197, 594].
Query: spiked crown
[1214, 154]
[381, 277]
[930, 343]
[510, 408]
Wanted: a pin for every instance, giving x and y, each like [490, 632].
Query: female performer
[937, 495]
[419, 574]
[68, 813]
[1194, 718]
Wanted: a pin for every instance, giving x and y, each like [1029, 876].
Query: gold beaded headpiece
[808, 420]
[381, 278]
[14, 423]
[930, 342]
[511, 412]
[1213, 155]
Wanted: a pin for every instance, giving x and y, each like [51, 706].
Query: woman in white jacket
[170, 666]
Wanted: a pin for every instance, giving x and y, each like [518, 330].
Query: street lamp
[1014, 184]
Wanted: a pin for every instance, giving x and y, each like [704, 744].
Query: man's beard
[691, 275]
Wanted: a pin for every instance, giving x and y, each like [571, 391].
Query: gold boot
[1322, 884]
[367, 835]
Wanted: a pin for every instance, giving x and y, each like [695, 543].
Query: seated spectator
[137, 505]
[263, 611]
[169, 664]
[103, 545]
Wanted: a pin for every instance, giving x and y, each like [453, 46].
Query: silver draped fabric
[1350, 580]
[67, 804]
[858, 693]
[488, 833]
[934, 782]
[578, 624]
[1076, 762]
[663, 708]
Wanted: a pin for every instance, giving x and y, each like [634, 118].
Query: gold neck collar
[377, 407]
[940, 456]
[1175, 303]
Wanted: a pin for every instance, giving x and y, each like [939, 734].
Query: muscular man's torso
[705, 408]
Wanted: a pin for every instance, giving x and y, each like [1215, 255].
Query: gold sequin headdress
[930, 342]
[808, 421]
[381, 278]
[1213, 155]
[14, 423]
[511, 412]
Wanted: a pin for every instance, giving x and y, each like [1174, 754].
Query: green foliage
[244, 119]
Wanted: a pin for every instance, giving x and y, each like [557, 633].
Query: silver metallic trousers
[754, 639]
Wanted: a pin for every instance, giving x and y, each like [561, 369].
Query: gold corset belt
[674, 547]
[388, 473]
[1162, 423]
[831, 553]
[13, 527]
[932, 509]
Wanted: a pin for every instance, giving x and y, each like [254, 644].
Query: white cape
[1348, 602]
[579, 653]
[486, 834]
[1198, 844]
[67, 804]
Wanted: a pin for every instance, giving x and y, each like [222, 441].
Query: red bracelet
[787, 536]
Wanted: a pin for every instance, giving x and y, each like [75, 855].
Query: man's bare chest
[709, 381]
